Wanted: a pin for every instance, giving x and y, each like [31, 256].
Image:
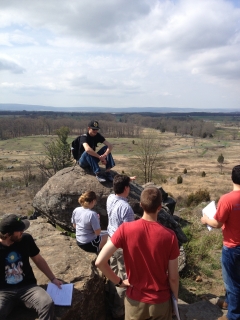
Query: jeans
[32, 296]
[87, 160]
[231, 278]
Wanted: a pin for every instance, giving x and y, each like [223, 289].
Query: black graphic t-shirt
[15, 269]
[91, 141]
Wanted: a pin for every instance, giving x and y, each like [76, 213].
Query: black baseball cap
[94, 125]
[12, 223]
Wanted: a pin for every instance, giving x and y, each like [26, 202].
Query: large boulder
[59, 197]
[71, 264]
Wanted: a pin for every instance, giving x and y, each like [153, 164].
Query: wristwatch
[119, 283]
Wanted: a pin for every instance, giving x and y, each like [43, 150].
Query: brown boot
[222, 304]
[223, 318]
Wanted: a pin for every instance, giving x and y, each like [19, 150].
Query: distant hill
[27, 107]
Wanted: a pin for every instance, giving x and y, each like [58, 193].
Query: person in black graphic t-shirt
[88, 155]
[17, 280]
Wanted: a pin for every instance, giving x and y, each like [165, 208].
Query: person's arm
[42, 265]
[173, 276]
[102, 264]
[90, 151]
[74, 225]
[109, 148]
[211, 222]
[97, 232]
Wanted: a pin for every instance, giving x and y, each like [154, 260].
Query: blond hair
[86, 198]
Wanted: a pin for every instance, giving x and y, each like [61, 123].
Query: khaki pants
[135, 310]
[117, 295]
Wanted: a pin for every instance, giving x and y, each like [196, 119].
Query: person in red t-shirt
[150, 253]
[227, 217]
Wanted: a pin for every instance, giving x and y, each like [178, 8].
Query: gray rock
[59, 197]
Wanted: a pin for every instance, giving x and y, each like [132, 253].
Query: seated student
[88, 155]
[86, 222]
[17, 280]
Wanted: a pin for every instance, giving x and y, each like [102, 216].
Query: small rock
[198, 279]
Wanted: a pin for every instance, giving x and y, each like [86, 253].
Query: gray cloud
[10, 66]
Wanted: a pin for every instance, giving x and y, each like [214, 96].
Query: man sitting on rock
[227, 217]
[17, 281]
[88, 155]
[150, 253]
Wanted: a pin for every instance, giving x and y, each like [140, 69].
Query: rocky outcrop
[72, 265]
[59, 197]
[201, 310]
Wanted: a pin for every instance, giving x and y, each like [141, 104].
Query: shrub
[179, 180]
[185, 171]
[198, 197]
[203, 174]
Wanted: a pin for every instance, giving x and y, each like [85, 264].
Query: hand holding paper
[210, 210]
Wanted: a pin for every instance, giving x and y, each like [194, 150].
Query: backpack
[75, 148]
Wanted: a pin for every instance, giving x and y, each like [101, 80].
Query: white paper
[175, 307]
[210, 211]
[61, 297]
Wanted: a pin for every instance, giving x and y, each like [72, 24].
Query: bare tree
[26, 172]
[148, 154]
[220, 160]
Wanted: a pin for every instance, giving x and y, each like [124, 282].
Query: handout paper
[61, 297]
[210, 211]
[175, 307]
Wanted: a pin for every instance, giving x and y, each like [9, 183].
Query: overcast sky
[120, 53]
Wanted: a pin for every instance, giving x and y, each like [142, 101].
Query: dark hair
[5, 236]
[236, 174]
[120, 181]
[86, 198]
[151, 199]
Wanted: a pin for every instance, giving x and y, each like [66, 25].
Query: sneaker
[99, 178]
[222, 304]
[109, 176]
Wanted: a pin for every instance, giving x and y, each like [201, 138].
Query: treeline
[112, 125]
[14, 127]
[178, 125]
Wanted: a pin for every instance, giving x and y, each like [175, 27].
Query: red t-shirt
[228, 212]
[147, 248]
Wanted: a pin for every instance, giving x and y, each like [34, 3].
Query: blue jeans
[87, 160]
[231, 278]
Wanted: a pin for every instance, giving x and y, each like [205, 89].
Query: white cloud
[146, 52]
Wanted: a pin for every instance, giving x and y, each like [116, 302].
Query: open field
[177, 153]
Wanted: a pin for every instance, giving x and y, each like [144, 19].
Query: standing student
[119, 211]
[150, 253]
[87, 225]
[227, 217]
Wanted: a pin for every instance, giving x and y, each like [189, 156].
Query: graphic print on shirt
[13, 268]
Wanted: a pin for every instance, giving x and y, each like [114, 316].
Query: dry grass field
[177, 153]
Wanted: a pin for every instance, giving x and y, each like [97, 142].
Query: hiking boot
[109, 176]
[100, 178]
[223, 318]
[222, 304]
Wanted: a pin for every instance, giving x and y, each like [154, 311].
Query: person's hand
[103, 159]
[133, 178]
[57, 282]
[125, 283]
[204, 219]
